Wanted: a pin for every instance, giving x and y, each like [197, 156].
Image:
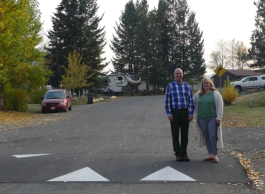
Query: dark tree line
[154, 43]
[257, 41]
[82, 34]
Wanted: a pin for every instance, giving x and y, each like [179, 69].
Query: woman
[209, 110]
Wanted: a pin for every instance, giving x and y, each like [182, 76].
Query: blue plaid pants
[209, 130]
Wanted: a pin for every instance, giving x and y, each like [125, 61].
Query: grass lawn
[239, 114]
[34, 108]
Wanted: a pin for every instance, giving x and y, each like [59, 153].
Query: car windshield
[54, 95]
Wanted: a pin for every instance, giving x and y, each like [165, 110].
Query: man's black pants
[180, 120]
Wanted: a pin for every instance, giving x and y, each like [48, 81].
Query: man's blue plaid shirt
[179, 96]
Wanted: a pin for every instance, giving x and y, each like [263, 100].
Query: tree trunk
[2, 106]
[147, 85]
[154, 89]
[74, 89]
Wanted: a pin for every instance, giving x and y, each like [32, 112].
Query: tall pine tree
[189, 49]
[166, 29]
[142, 47]
[257, 41]
[81, 34]
[164, 39]
[156, 75]
[123, 44]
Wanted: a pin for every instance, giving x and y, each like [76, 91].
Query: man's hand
[218, 121]
[190, 118]
[170, 117]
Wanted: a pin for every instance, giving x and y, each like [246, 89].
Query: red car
[56, 100]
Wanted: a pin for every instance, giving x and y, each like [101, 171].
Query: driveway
[119, 146]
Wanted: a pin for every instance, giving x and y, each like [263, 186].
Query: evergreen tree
[257, 41]
[166, 29]
[81, 34]
[197, 66]
[189, 49]
[156, 76]
[123, 44]
[143, 44]
[163, 40]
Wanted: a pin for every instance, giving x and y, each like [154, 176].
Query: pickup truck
[247, 83]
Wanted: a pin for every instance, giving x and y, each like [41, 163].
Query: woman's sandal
[208, 159]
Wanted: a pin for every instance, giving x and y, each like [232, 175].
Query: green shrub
[16, 99]
[37, 94]
[229, 94]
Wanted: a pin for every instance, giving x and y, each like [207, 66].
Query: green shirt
[206, 106]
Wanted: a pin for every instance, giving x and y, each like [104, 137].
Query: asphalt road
[118, 146]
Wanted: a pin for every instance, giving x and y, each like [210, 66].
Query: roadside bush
[16, 99]
[229, 94]
[37, 94]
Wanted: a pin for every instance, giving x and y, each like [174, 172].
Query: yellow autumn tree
[77, 73]
[229, 94]
[20, 28]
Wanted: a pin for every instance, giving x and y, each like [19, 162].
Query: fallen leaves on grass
[239, 114]
[79, 100]
[242, 121]
[252, 174]
[16, 120]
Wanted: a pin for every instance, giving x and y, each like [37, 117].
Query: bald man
[179, 108]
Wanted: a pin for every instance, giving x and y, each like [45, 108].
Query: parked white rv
[120, 83]
[248, 82]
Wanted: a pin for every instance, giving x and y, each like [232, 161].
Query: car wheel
[43, 111]
[66, 108]
[238, 89]
[70, 108]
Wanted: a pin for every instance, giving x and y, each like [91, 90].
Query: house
[233, 76]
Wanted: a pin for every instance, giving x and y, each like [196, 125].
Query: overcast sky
[218, 19]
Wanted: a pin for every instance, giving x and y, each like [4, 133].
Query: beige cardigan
[219, 111]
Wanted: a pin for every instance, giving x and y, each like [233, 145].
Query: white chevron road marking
[84, 174]
[29, 155]
[167, 174]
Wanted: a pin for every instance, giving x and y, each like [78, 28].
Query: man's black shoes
[185, 158]
[179, 158]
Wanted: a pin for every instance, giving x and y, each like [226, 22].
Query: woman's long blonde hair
[202, 91]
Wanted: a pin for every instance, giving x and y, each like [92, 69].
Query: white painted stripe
[29, 155]
[167, 174]
[84, 174]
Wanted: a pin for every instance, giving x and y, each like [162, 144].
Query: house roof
[242, 72]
